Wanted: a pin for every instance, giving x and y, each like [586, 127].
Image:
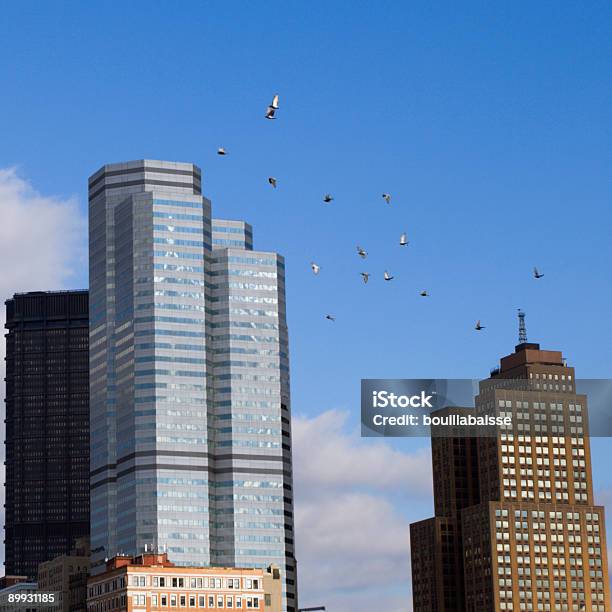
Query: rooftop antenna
[522, 328]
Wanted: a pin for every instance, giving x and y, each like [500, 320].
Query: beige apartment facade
[152, 583]
[55, 575]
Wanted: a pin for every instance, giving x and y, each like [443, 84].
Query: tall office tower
[536, 541]
[191, 437]
[436, 543]
[47, 427]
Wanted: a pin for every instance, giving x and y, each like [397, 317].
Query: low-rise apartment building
[152, 583]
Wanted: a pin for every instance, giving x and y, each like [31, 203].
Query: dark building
[47, 427]
[437, 554]
[516, 525]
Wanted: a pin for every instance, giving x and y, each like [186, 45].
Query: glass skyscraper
[189, 378]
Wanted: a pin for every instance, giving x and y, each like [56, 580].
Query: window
[192, 601]
[211, 601]
[202, 601]
[183, 601]
[164, 600]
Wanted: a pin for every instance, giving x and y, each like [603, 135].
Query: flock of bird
[328, 198]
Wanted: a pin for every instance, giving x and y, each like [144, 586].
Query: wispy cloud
[42, 238]
[42, 246]
[353, 544]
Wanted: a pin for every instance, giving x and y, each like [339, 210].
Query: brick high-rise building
[437, 555]
[47, 427]
[535, 540]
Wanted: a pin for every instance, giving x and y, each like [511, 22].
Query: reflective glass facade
[190, 441]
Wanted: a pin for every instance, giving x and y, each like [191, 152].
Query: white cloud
[353, 545]
[42, 246]
[327, 457]
[42, 238]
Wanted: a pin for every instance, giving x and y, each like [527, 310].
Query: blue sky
[489, 123]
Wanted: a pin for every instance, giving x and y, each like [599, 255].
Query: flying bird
[272, 108]
[388, 277]
[327, 198]
[403, 239]
[536, 273]
[478, 326]
[424, 294]
[315, 268]
[330, 317]
[272, 181]
[365, 276]
[361, 252]
[221, 151]
[387, 197]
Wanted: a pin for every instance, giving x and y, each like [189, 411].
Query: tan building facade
[55, 575]
[535, 540]
[151, 583]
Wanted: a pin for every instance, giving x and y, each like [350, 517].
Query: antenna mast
[522, 328]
